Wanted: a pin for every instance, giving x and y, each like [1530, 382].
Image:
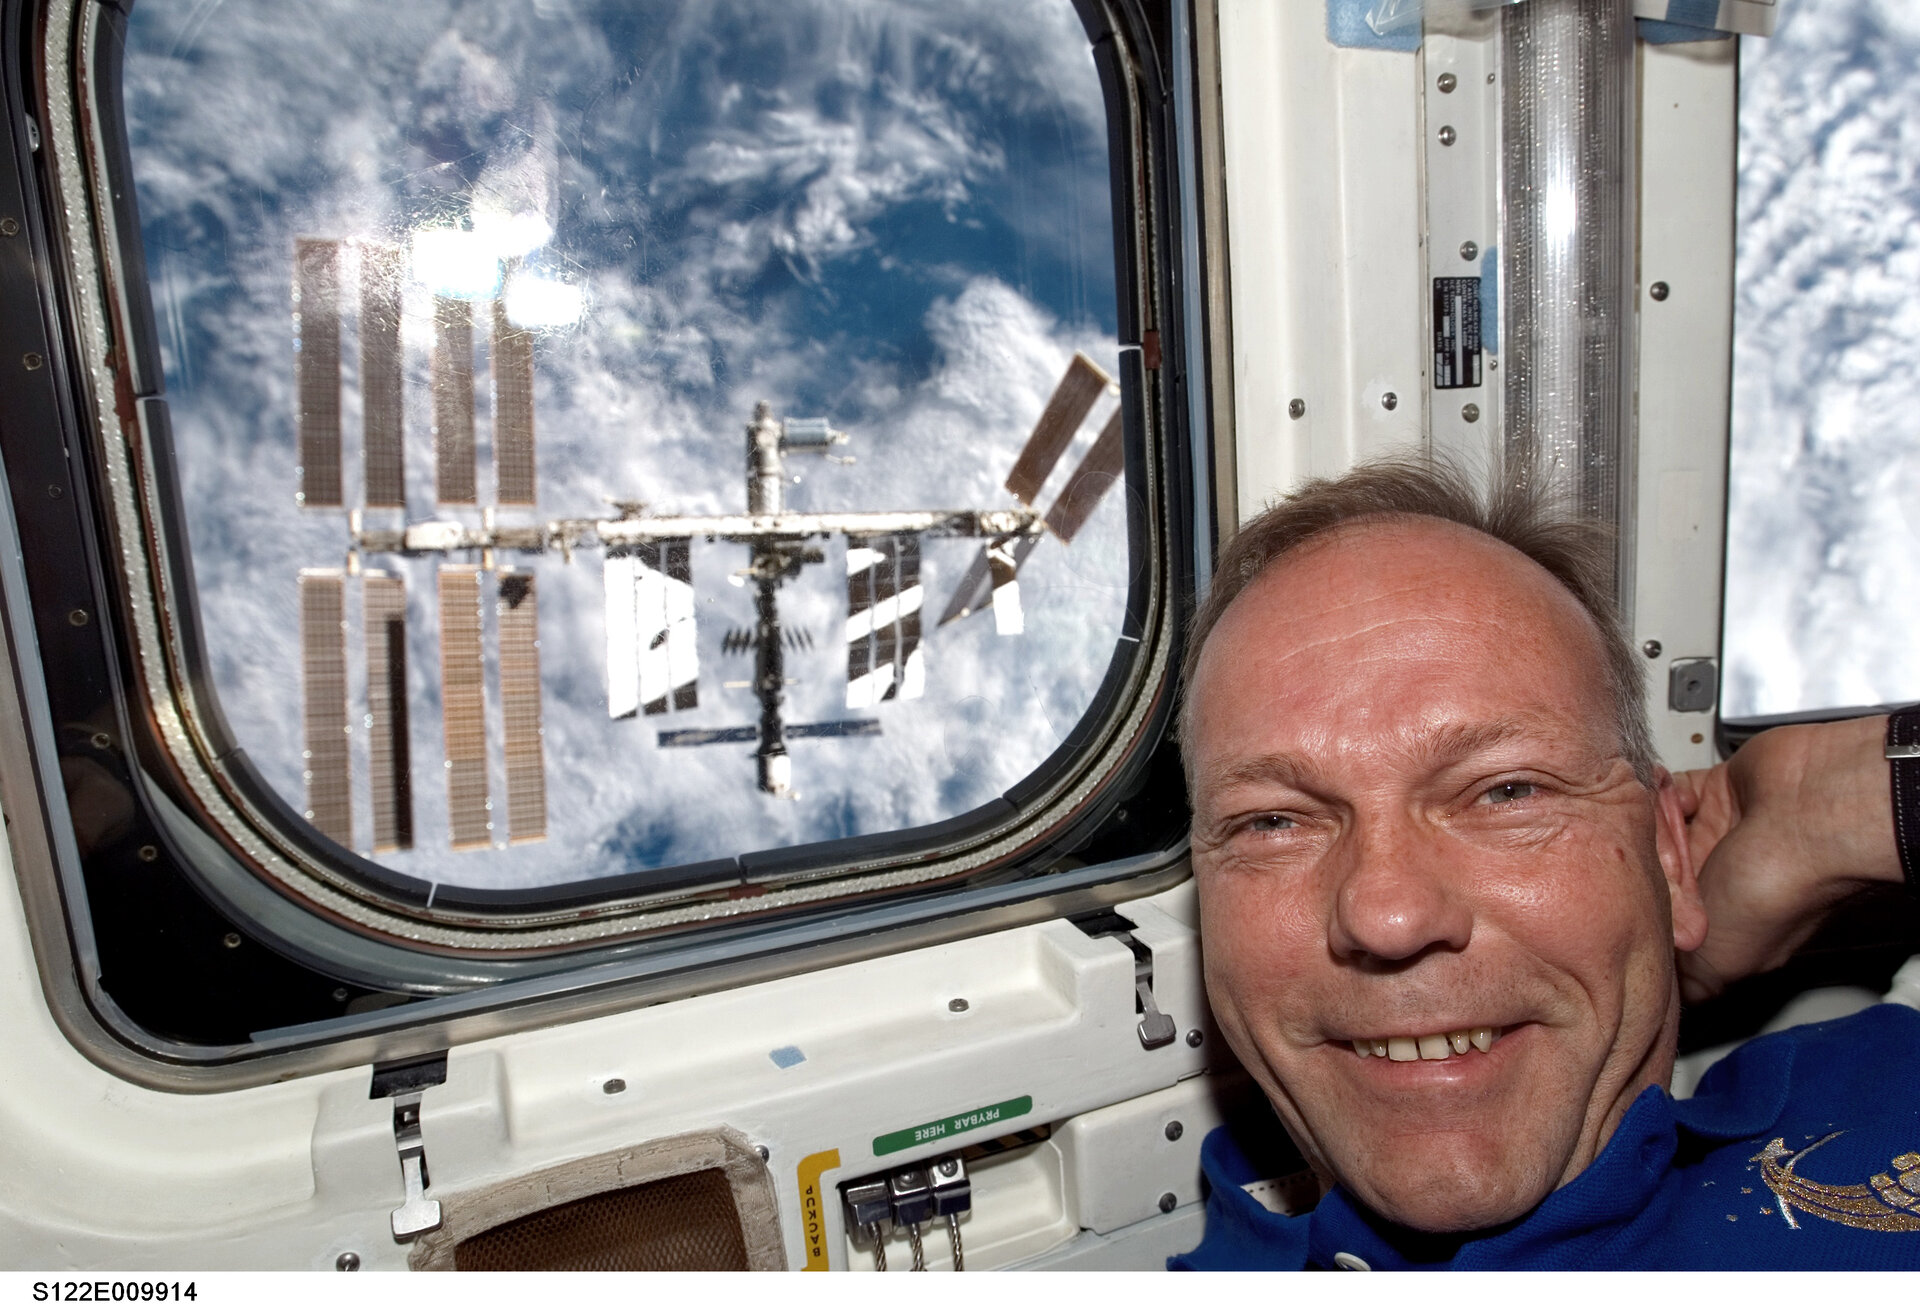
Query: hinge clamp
[406, 1083]
[1156, 1029]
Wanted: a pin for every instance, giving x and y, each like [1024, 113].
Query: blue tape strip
[1490, 300]
[1347, 26]
[1655, 32]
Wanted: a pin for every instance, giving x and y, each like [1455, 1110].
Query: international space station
[652, 662]
[254, 1022]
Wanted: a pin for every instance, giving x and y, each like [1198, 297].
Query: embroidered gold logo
[1885, 1202]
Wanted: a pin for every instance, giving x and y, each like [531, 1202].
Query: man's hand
[1798, 819]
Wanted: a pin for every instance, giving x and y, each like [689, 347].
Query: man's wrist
[1847, 778]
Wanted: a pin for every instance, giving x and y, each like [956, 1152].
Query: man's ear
[1676, 862]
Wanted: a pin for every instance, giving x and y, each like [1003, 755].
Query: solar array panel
[519, 614]
[652, 654]
[884, 598]
[1072, 399]
[323, 683]
[390, 764]
[383, 278]
[454, 481]
[316, 271]
[463, 707]
[1104, 464]
[512, 409]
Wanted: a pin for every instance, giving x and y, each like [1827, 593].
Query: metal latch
[405, 1083]
[1157, 1029]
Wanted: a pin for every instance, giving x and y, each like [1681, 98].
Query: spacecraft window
[1822, 558]
[557, 473]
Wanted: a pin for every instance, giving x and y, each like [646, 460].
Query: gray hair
[1578, 553]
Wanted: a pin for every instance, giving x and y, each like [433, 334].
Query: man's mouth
[1430, 1048]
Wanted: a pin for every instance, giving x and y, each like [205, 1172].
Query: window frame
[1103, 820]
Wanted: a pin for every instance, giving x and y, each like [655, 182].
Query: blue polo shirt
[1800, 1150]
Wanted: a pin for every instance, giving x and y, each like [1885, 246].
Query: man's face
[1412, 819]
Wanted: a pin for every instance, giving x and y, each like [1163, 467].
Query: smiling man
[1443, 882]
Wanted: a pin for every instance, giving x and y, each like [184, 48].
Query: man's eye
[1268, 822]
[1509, 792]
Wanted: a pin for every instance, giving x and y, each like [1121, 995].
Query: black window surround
[191, 929]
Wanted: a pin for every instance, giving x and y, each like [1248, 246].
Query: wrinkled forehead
[1396, 627]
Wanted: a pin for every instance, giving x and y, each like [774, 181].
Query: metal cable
[913, 1241]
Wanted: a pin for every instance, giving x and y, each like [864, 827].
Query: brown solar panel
[390, 768]
[512, 408]
[463, 707]
[382, 393]
[519, 613]
[323, 684]
[1104, 464]
[682, 1223]
[1054, 431]
[316, 271]
[453, 401]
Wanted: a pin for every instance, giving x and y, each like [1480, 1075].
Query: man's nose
[1399, 891]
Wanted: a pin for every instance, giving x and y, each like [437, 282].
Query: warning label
[1456, 332]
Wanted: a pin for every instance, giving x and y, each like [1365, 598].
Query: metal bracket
[1157, 1029]
[406, 1083]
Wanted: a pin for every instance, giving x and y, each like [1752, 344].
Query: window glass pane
[427, 262]
[1823, 558]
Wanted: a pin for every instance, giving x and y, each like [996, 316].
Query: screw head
[347, 1262]
[1659, 290]
[78, 617]
[101, 740]
[1175, 1130]
[1469, 251]
[148, 853]
[1651, 648]
[231, 939]
[8, 227]
[340, 995]
[1389, 401]
[1168, 1202]
[1470, 413]
[1195, 1039]
[764, 1152]
[614, 1086]
[1448, 136]
[32, 362]
[1297, 409]
[54, 492]
[1446, 83]
[958, 1005]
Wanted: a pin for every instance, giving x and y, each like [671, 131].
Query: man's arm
[1797, 820]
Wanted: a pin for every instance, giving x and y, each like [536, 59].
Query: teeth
[1428, 1048]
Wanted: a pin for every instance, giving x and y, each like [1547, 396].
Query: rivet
[78, 617]
[347, 1262]
[1168, 1202]
[101, 740]
[1659, 290]
[1489, 79]
[1469, 251]
[614, 1086]
[1389, 401]
[1297, 408]
[1447, 82]
[1470, 413]
[957, 1005]
[1175, 1130]
[1195, 1039]
[8, 227]
[32, 361]
[1651, 648]
[339, 995]
[148, 853]
[230, 939]
[1447, 136]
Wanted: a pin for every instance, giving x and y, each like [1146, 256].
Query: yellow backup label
[813, 1206]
